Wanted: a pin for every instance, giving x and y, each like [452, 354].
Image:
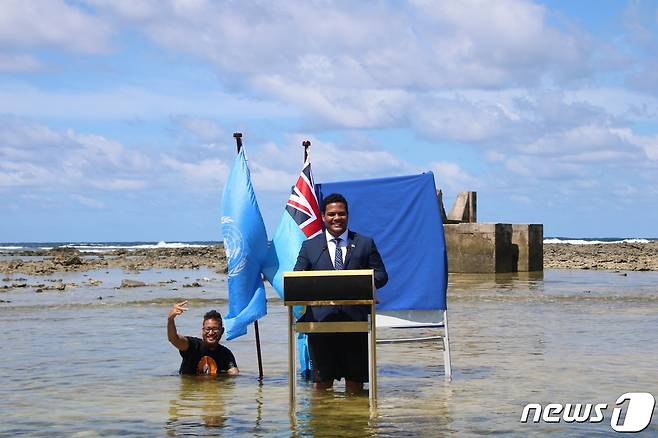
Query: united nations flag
[245, 242]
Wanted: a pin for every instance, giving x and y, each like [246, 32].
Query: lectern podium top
[329, 287]
[329, 273]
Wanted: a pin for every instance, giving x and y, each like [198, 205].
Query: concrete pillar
[490, 248]
[480, 248]
[464, 209]
[442, 210]
[529, 241]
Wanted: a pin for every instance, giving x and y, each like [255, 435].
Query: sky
[116, 117]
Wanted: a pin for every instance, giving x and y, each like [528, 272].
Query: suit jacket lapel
[350, 248]
[324, 261]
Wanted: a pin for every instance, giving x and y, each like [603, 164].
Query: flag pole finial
[306, 144]
[238, 140]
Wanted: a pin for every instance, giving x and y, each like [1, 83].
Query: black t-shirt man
[199, 359]
[205, 355]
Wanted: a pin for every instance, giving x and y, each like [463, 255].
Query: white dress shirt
[331, 246]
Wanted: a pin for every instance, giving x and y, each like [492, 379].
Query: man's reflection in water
[200, 408]
[334, 413]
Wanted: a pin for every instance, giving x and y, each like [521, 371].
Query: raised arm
[176, 340]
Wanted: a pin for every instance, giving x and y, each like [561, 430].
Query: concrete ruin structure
[489, 247]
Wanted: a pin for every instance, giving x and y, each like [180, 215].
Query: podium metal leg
[372, 360]
[292, 376]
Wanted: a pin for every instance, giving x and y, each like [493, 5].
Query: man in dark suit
[338, 355]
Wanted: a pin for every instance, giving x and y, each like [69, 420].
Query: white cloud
[270, 178]
[130, 9]
[536, 168]
[203, 129]
[489, 44]
[331, 161]
[589, 144]
[495, 156]
[19, 132]
[460, 119]
[13, 154]
[88, 202]
[127, 102]
[599, 156]
[363, 64]
[649, 143]
[114, 184]
[452, 177]
[14, 174]
[51, 23]
[45, 159]
[351, 108]
[568, 132]
[581, 158]
[617, 102]
[100, 150]
[334, 162]
[19, 62]
[207, 174]
[537, 107]
[572, 141]
[200, 136]
[40, 157]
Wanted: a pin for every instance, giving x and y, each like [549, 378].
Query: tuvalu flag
[300, 221]
[245, 243]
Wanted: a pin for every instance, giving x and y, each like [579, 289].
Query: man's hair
[213, 314]
[330, 199]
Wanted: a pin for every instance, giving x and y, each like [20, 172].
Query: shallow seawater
[76, 365]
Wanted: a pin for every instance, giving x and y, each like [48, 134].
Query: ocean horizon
[100, 246]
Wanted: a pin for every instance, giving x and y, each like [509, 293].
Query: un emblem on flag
[233, 246]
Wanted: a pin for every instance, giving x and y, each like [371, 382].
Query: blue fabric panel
[402, 215]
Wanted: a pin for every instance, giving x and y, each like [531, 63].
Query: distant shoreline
[626, 256]
[67, 259]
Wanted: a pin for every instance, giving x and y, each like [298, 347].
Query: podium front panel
[331, 285]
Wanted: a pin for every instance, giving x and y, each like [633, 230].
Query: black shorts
[339, 355]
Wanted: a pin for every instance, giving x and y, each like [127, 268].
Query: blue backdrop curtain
[402, 215]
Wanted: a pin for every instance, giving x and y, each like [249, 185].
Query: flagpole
[306, 144]
[238, 143]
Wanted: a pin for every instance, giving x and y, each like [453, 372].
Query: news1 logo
[637, 416]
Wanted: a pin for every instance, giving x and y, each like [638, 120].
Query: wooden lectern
[330, 288]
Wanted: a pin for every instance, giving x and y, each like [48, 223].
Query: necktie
[338, 260]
